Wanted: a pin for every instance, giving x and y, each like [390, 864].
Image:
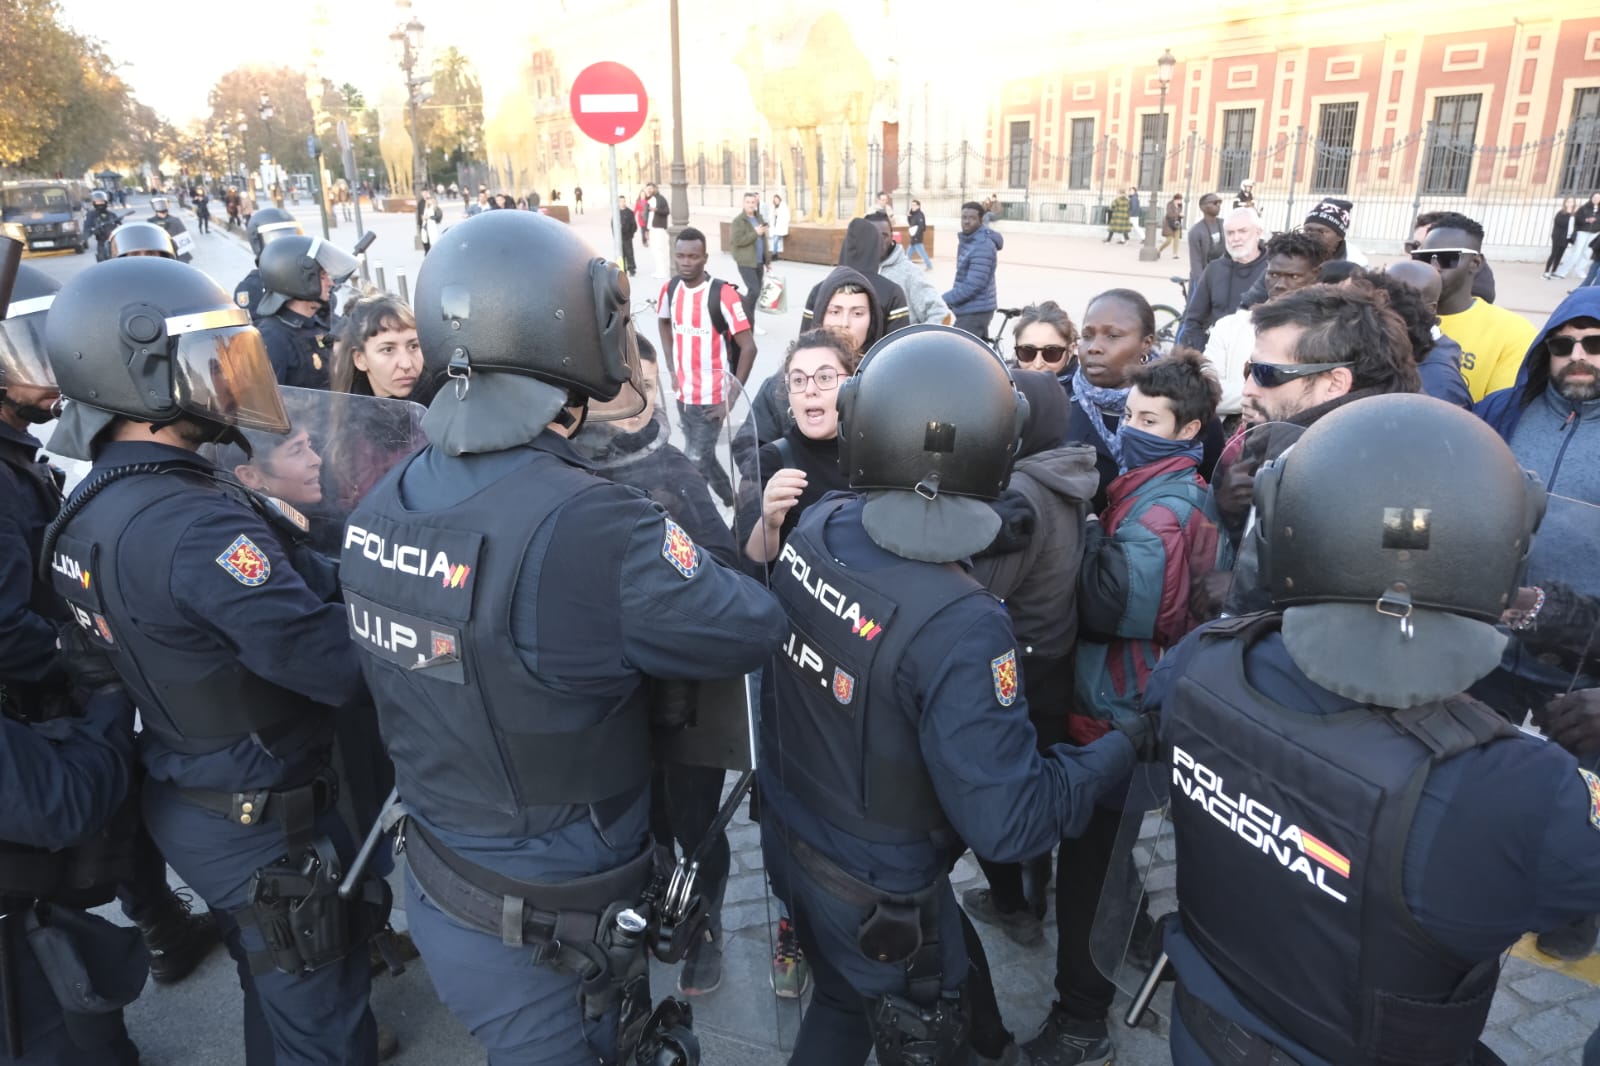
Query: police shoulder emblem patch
[679, 550]
[1593, 782]
[242, 298]
[1004, 670]
[245, 563]
[844, 686]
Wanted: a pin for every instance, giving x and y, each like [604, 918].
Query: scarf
[1098, 402]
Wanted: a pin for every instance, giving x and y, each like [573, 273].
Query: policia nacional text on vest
[1309, 815]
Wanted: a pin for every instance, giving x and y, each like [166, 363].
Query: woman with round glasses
[802, 466]
[1044, 338]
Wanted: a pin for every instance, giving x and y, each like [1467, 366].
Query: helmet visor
[221, 372]
[271, 231]
[339, 263]
[22, 355]
[619, 347]
[630, 399]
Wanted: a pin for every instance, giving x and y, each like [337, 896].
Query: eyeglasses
[1444, 258]
[1561, 346]
[827, 379]
[1050, 353]
[1271, 375]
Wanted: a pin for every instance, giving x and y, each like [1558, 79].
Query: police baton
[9, 1012]
[679, 900]
[389, 816]
[10, 261]
[1147, 990]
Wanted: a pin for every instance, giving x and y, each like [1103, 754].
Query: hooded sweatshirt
[860, 252]
[1038, 581]
[927, 307]
[823, 291]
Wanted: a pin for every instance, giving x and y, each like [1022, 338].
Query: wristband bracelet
[1527, 620]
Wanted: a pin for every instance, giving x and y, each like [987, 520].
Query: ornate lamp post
[680, 177]
[1156, 211]
[408, 42]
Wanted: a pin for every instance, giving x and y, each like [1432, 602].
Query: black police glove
[86, 666]
[1143, 731]
[1016, 523]
[1573, 721]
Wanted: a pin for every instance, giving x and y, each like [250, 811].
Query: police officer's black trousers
[683, 804]
[1083, 991]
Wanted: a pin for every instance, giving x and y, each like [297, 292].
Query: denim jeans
[916, 250]
[702, 426]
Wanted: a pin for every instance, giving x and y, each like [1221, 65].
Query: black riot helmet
[98, 198]
[292, 267]
[142, 238]
[933, 410]
[267, 225]
[518, 292]
[23, 360]
[155, 340]
[1392, 574]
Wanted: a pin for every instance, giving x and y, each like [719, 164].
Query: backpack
[718, 323]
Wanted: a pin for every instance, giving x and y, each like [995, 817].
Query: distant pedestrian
[202, 209]
[1135, 211]
[1118, 223]
[1205, 238]
[630, 226]
[577, 198]
[917, 226]
[778, 228]
[1172, 226]
[657, 215]
[748, 236]
[1246, 196]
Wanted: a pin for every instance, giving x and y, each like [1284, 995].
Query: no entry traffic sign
[608, 102]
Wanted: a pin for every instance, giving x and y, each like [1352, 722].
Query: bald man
[1440, 368]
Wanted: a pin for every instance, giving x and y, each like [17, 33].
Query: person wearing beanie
[1328, 222]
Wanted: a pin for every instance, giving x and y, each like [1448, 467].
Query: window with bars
[1452, 142]
[1081, 166]
[753, 175]
[1153, 149]
[1238, 144]
[1580, 170]
[727, 165]
[1336, 140]
[1021, 152]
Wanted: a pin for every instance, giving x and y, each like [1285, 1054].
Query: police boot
[1067, 1041]
[177, 938]
[1571, 943]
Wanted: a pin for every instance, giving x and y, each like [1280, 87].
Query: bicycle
[1006, 315]
[1169, 320]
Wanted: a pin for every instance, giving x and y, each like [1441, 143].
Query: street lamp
[1156, 211]
[265, 111]
[680, 177]
[408, 40]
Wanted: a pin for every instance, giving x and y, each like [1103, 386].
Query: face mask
[1141, 449]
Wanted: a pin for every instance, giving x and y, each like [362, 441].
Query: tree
[238, 92]
[452, 119]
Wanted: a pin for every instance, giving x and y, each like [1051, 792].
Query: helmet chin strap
[31, 413]
[568, 421]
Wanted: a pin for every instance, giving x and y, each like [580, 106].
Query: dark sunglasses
[1050, 353]
[1445, 258]
[1271, 375]
[1561, 346]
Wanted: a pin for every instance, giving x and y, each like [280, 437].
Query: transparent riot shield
[1233, 496]
[1138, 891]
[339, 446]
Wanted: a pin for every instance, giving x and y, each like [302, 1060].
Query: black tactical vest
[36, 700]
[480, 744]
[845, 743]
[196, 701]
[1291, 834]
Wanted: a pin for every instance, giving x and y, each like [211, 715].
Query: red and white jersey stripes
[698, 351]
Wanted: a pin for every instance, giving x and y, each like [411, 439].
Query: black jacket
[1221, 291]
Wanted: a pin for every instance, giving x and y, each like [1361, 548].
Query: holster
[295, 903]
[911, 1034]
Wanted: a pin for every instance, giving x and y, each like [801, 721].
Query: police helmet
[142, 238]
[932, 410]
[158, 204]
[155, 340]
[22, 352]
[519, 292]
[99, 198]
[267, 225]
[1392, 574]
[292, 266]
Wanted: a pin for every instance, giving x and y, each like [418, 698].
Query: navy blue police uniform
[247, 294]
[300, 347]
[227, 639]
[65, 768]
[898, 736]
[523, 600]
[1297, 812]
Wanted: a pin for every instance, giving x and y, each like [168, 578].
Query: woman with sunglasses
[1044, 338]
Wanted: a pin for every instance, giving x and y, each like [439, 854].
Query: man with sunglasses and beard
[1492, 339]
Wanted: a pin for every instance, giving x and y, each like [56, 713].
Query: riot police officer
[101, 221]
[141, 238]
[263, 227]
[33, 684]
[510, 604]
[1354, 850]
[164, 218]
[298, 275]
[223, 631]
[897, 729]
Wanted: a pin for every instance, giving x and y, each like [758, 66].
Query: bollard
[377, 272]
[400, 284]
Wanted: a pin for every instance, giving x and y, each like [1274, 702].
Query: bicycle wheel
[1168, 319]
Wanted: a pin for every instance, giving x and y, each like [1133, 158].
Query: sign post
[609, 104]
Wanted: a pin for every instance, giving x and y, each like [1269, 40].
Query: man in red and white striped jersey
[706, 335]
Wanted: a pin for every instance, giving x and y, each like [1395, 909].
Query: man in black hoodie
[863, 251]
